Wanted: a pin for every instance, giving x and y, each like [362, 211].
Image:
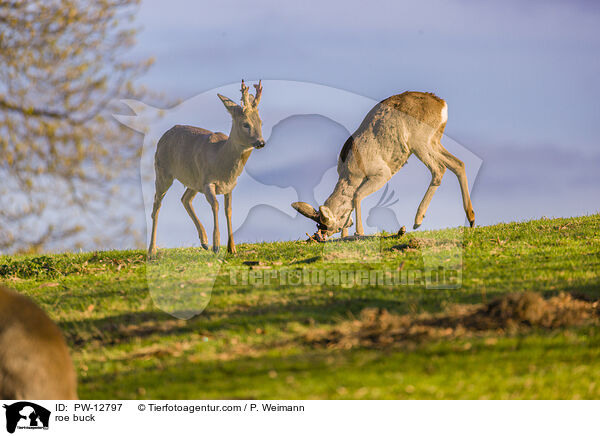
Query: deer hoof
[231, 250]
[416, 226]
[216, 248]
[472, 222]
[402, 231]
[205, 246]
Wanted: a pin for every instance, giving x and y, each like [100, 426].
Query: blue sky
[519, 71]
[520, 78]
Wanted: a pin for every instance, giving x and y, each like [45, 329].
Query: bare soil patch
[509, 314]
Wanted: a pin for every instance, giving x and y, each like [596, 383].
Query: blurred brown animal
[34, 359]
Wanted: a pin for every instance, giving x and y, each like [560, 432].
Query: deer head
[327, 222]
[247, 125]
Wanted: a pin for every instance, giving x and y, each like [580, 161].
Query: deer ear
[231, 106]
[307, 210]
[326, 217]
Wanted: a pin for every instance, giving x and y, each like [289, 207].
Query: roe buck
[412, 122]
[208, 162]
[34, 359]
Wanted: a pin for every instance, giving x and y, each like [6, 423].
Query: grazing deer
[208, 162]
[412, 122]
[34, 359]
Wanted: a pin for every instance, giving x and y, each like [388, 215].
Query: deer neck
[234, 155]
[340, 200]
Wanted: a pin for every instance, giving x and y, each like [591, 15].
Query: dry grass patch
[509, 314]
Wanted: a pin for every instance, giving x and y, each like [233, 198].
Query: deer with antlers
[208, 162]
[397, 127]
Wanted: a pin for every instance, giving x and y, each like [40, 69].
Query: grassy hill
[268, 339]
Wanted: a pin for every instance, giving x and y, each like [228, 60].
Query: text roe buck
[412, 122]
[208, 162]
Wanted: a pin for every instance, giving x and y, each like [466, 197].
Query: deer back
[392, 130]
[185, 153]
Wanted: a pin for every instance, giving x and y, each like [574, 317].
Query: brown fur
[209, 163]
[34, 358]
[346, 149]
[396, 128]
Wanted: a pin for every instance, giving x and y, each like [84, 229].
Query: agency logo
[26, 415]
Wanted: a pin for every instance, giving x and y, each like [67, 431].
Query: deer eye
[246, 125]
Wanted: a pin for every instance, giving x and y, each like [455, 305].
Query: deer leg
[368, 186]
[186, 199]
[230, 244]
[211, 196]
[458, 167]
[162, 185]
[344, 232]
[437, 172]
[357, 211]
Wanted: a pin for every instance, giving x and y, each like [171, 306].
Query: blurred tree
[62, 156]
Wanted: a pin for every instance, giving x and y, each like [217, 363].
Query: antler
[245, 98]
[258, 93]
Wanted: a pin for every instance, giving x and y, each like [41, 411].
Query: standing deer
[34, 359]
[208, 162]
[412, 122]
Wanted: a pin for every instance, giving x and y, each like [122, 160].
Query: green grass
[248, 341]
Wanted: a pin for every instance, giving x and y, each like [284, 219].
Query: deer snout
[259, 144]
